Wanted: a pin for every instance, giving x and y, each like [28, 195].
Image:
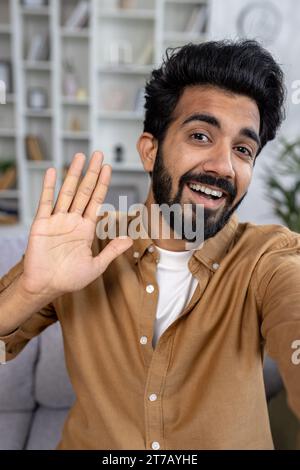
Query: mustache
[219, 183]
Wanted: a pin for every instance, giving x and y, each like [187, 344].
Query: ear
[147, 148]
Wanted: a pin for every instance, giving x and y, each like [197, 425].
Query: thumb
[114, 248]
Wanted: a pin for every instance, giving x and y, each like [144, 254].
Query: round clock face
[260, 21]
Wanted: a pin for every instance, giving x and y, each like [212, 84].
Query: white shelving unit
[94, 77]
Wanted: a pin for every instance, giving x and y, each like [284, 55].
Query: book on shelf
[146, 55]
[8, 178]
[197, 21]
[8, 219]
[34, 150]
[79, 16]
[38, 47]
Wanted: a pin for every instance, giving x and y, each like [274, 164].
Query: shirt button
[151, 249]
[153, 397]
[150, 288]
[143, 340]
[215, 265]
[155, 445]
[136, 254]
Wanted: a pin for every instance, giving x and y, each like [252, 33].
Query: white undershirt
[176, 287]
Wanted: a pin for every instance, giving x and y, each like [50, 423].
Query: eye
[200, 137]
[245, 151]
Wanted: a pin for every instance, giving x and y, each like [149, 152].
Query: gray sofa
[35, 391]
[35, 394]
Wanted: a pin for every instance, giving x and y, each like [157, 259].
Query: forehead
[229, 108]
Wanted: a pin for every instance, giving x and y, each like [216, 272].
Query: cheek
[243, 180]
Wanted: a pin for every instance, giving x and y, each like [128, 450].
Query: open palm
[58, 258]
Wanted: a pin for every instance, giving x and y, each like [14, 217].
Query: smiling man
[164, 346]
[209, 151]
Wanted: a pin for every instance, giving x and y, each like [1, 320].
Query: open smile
[212, 199]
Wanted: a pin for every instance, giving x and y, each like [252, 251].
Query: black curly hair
[243, 67]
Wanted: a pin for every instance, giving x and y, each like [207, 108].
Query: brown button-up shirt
[202, 386]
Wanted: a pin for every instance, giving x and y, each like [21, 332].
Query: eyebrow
[204, 118]
[213, 121]
[247, 132]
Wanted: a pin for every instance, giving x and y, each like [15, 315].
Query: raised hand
[58, 258]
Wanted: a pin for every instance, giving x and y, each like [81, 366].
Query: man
[164, 345]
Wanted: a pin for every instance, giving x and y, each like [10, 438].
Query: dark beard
[162, 191]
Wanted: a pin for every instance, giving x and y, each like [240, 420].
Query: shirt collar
[215, 248]
[212, 251]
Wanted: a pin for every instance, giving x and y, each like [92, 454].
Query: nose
[219, 162]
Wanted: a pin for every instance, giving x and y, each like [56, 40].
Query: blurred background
[72, 76]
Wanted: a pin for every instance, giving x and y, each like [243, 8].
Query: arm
[278, 293]
[33, 314]
[17, 304]
[59, 257]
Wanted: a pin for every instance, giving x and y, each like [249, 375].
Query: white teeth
[204, 189]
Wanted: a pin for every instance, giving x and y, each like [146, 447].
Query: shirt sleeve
[13, 343]
[278, 293]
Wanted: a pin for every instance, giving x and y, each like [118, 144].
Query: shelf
[126, 167]
[71, 135]
[186, 2]
[45, 113]
[37, 65]
[7, 134]
[126, 69]
[39, 165]
[79, 33]
[184, 36]
[121, 115]
[130, 14]
[35, 11]
[87, 48]
[13, 229]
[10, 98]
[5, 29]
[74, 102]
[9, 193]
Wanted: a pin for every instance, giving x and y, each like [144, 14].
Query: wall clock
[261, 21]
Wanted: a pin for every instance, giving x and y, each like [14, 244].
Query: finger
[99, 194]
[114, 248]
[47, 195]
[87, 185]
[68, 189]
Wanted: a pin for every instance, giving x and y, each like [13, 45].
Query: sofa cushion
[14, 429]
[52, 385]
[17, 380]
[46, 427]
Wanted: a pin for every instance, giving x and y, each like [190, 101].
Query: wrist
[30, 296]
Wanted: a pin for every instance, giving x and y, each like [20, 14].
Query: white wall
[286, 49]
